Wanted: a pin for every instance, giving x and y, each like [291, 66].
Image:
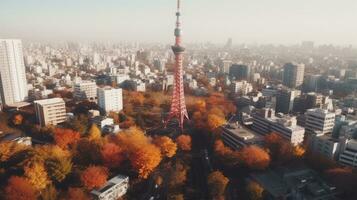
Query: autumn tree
[177, 175]
[184, 142]
[8, 149]
[225, 155]
[254, 191]
[76, 194]
[281, 150]
[94, 132]
[94, 177]
[217, 183]
[18, 188]
[167, 146]
[65, 137]
[214, 121]
[49, 193]
[58, 168]
[87, 152]
[17, 119]
[112, 155]
[143, 155]
[145, 159]
[36, 175]
[176, 197]
[254, 157]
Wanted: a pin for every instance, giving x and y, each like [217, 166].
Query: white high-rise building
[13, 84]
[85, 90]
[110, 99]
[319, 121]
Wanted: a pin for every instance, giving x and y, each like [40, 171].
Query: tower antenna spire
[178, 106]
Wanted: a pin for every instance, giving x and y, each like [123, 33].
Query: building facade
[293, 75]
[85, 90]
[13, 83]
[319, 121]
[50, 111]
[110, 99]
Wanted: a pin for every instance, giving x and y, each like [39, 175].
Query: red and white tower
[178, 105]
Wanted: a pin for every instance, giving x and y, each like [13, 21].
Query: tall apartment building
[319, 121]
[85, 90]
[265, 122]
[293, 75]
[50, 111]
[285, 100]
[13, 84]
[110, 99]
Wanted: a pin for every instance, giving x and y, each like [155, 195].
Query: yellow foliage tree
[37, 175]
[94, 132]
[167, 146]
[214, 121]
[145, 159]
[299, 151]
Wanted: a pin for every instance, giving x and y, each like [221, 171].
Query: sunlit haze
[245, 21]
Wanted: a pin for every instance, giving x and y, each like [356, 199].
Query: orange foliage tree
[217, 183]
[145, 159]
[94, 177]
[225, 154]
[18, 188]
[254, 157]
[184, 142]
[167, 146]
[76, 194]
[112, 155]
[143, 155]
[17, 119]
[65, 137]
[282, 150]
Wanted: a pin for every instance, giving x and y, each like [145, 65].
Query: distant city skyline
[253, 21]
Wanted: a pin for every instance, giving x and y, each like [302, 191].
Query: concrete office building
[293, 75]
[110, 99]
[319, 121]
[285, 100]
[265, 122]
[50, 111]
[348, 156]
[13, 84]
[85, 90]
[239, 72]
[325, 145]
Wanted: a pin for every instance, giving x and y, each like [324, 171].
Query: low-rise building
[265, 122]
[85, 90]
[326, 145]
[236, 136]
[113, 189]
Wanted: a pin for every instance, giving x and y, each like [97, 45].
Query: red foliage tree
[65, 137]
[19, 188]
[112, 155]
[94, 177]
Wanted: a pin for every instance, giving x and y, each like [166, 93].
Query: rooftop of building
[303, 181]
[49, 101]
[243, 133]
[110, 183]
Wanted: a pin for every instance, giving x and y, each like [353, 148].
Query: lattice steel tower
[178, 105]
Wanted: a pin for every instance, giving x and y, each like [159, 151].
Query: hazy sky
[246, 21]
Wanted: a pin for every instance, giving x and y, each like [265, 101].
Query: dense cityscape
[151, 121]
